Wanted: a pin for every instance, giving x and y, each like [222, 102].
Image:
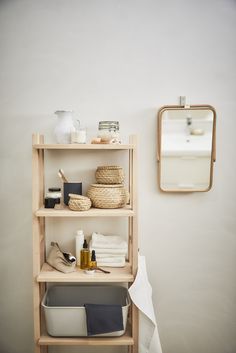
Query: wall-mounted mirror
[186, 148]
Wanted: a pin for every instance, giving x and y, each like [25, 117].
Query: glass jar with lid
[108, 130]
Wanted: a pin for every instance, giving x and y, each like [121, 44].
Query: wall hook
[182, 102]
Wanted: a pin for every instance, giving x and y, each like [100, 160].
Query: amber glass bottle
[84, 256]
[93, 262]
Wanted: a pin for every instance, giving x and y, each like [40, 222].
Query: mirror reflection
[186, 148]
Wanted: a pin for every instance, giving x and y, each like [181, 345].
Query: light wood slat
[72, 146]
[123, 274]
[36, 203]
[135, 328]
[124, 340]
[134, 248]
[52, 341]
[92, 212]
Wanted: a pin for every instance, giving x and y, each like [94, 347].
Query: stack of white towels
[111, 250]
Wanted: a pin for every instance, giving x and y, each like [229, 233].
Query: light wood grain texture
[92, 212]
[37, 229]
[122, 274]
[124, 340]
[133, 224]
[133, 220]
[130, 238]
[82, 146]
[135, 328]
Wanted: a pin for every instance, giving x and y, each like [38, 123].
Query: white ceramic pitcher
[64, 126]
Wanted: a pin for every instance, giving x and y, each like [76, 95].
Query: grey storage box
[65, 313]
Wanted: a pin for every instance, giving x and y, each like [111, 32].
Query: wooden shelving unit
[43, 273]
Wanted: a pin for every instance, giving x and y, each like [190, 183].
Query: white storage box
[65, 313]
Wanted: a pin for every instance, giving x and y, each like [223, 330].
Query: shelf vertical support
[38, 232]
[133, 221]
[133, 234]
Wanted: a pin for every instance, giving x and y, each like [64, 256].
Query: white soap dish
[89, 271]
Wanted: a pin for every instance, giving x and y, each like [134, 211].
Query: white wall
[122, 60]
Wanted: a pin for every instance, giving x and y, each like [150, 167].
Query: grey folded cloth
[63, 262]
[103, 318]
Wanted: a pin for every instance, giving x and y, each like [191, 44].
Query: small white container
[79, 240]
[65, 313]
[78, 136]
[53, 195]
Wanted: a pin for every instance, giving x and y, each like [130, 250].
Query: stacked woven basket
[79, 202]
[110, 175]
[109, 192]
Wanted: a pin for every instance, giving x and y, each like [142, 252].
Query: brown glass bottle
[84, 256]
[93, 262]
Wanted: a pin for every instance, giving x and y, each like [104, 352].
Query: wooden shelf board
[126, 339]
[92, 212]
[86, 146]
[122, 274]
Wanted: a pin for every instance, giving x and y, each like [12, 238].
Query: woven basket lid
[79, 197]
[112, 167]
[107, 185]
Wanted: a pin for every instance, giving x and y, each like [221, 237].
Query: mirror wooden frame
[159, 136]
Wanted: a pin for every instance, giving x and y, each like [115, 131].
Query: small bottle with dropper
[84, 256]
[93, 262]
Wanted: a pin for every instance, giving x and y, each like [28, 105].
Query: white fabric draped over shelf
[141, 295]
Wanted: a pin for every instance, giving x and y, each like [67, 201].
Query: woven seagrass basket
[79, 203]
[108, 196]
[109, 175]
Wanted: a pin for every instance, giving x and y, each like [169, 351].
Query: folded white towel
[108, 241]
[117, 260]
[111, 264]
[112, 256]
[108, 251]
